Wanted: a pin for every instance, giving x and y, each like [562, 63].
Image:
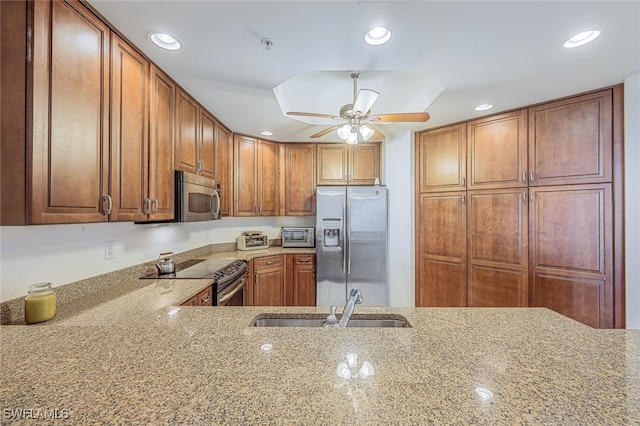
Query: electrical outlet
[109, 249]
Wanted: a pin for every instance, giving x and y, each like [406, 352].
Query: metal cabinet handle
[154, 202]
[463, 182]
[464, 200]
[524, 197]
[524, 177]
[531, 196]
[269, 262]
[532, 177]
[303, 259]
[205, 300]
[109, 201]
[147, 206]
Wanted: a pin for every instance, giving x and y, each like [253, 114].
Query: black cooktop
[201, 268]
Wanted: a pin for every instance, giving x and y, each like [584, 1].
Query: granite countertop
[134, 358]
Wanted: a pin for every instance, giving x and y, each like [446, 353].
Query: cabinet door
[186, 140]
[245, 159]
[304, 280]
[70, 114]
[224, 157]
[332, 164]
[442, 250]
[497, 151]
[129, 138]
[571, 252]
[497, 232]
[570, 141]
[364, 163]
[268, 178]
[161, 176]
[269, 281]
[441, 159]
[300, 179]
[207, 145]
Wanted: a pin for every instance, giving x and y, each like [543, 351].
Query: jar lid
[39, 287]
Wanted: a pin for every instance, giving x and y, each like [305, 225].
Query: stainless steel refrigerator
[351, 243]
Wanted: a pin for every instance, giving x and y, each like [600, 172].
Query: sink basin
[319, 320]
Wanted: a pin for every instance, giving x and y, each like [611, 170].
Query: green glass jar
[40, 303]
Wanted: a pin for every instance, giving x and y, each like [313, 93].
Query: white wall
[62, 254]
[399, 167]
[632, 198]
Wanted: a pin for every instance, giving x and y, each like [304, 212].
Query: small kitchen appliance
[298, 237]
[252, 240]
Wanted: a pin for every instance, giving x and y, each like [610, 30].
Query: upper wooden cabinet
[187, 137]
[342, 164]
[59, 167]
[161, 132]
[207, 145]
[129, 153]
[570, 141]
[257, 179]
[300, 179]
[441, 159]
[497, 151]
[224, 157]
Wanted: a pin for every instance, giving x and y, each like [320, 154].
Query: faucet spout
[355, 298]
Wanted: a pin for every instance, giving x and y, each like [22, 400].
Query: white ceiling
[508, 54]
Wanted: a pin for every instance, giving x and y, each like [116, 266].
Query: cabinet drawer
[268, 262]
[205, 297]
[304, 259]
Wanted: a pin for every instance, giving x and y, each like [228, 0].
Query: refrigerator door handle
[344, 241]
[348, 239]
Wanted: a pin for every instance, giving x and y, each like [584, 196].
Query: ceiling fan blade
[401, 117]
[365, 100]
[311, 114]
[324, 132]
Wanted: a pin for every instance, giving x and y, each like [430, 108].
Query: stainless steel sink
[319, 320]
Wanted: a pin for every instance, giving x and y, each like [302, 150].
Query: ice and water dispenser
[331, 233]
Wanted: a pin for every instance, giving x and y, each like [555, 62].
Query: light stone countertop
[133, 358]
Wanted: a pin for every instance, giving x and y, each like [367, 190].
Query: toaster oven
[298, 237]
[252, 241]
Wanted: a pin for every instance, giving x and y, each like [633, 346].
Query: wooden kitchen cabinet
[442, 250]
[497, 235]
[161, 149]
[257, 179]
[497, 151]
[300, 179]
[194, 140]
[269, 281]
[129, 154]
[207, 145]
[300, 287]
[570, 140]
[441, 159]
[203, 298]
[342, 164]
[224, 156]
[59, 166]
[571, 252]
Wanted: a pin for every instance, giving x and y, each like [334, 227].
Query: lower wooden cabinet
[268, 281]
[204, 298]
[301, 280]
[283, 280]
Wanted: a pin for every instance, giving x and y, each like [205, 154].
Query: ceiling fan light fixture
[165, 41]
[352, 138]
[366, 132]
[343, 131]
[581, 39]
[377, 36]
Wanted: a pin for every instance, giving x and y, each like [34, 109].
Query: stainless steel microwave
[197, 198]
[298, 237]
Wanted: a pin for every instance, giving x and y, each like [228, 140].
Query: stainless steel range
[228, 276]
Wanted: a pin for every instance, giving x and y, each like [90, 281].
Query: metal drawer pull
[303, 259]
[269, 262]
[205, 300]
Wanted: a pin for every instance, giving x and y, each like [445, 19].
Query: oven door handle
[236, 289]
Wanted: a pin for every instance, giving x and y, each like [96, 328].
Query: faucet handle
[332, 319]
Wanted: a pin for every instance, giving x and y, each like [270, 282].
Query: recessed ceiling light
[581, 38]
[165, 41]
[483, 107]
[266, 133]
[377, 36]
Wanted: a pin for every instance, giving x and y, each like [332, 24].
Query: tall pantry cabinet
[518, 209]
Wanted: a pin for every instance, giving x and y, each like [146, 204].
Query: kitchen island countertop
[203, 365]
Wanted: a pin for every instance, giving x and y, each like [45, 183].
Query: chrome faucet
[355, 298]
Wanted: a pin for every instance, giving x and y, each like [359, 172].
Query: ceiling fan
[357, 117]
